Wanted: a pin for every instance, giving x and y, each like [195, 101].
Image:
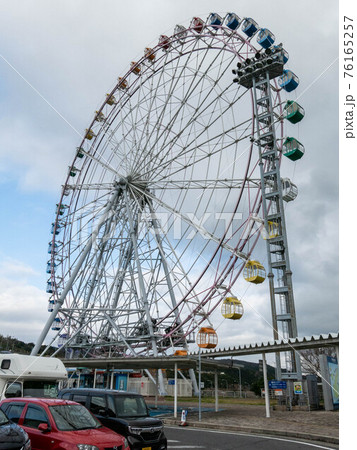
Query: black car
[12, 437]
[125, 413]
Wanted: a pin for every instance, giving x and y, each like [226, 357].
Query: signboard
[297, 387]
[276, 384]
[332, 366]
[172, 382]
[278, 392]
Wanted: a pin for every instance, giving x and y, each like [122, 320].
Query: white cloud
[22, 305]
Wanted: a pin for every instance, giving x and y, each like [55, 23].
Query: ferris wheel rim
[157, 48]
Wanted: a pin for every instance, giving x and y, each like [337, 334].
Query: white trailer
[35, 376]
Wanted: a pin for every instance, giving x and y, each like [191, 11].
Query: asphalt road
[193, 438]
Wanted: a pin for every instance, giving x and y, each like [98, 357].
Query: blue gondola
[232, 21]
[51, 304]
[50, 265]
[49, 288]
[50, 247]
[58, 228]
[56, 325]
[288, 81]
[249, 26]
[265, 38]
[215, 20]
[285, 53]
[62, 339]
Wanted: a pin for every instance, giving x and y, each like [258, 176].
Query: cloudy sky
[67, 54]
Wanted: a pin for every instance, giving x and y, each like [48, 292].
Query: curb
[252, 430]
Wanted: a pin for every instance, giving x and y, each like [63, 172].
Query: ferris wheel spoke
[174, 82]
[190, 148]
[196, 226]
[194, 83]
[182, 128]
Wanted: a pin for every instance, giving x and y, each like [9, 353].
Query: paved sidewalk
[320, 426]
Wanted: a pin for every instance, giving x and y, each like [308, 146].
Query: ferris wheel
[162, 206]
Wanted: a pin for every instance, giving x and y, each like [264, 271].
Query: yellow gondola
[207, 338]
[232, 308]
[273, 230]
[254, 272]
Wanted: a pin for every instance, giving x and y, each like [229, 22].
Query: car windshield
[3, 418]
[73, 417]
[130, 406]
[38, 388]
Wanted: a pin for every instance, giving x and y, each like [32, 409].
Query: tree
[310, 363]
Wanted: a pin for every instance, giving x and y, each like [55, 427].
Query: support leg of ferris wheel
[98, 259]
[169, 284]
[143, 297]
[75, 271]
[279, 272]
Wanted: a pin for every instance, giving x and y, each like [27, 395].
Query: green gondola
[293, 112]
[293, 149]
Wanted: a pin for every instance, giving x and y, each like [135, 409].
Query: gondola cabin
[149, 53]
[135, 68]
[290, 191]
[80, 153]
[73, 171]
[99, 116]
[249, 26]
[293, 112]
[51, 304]
[180, 33]
[273, 230]
[89, 134]
[50, 266]
[197, 24]
[164, 42]
[56, 324]
[278, 48]
[122, 83]
[55, 229]
[215, 20]
[254, 272]
[62, 339]
[265, 38]
[232, 21]
[61, 208]
[111, 100]
[207, 338]
[288, 81]
[232, 308]
[293, 149]
[49, 288]
[52, 247]
[180, 353]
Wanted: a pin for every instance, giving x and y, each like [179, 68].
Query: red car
[61, 424]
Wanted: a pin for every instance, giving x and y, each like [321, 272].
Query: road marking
[253, 435]
[186, 446]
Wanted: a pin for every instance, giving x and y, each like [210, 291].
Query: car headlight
[135, 430]
[27, 445]
[87, 447]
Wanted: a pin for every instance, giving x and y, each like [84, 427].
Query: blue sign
[171, 382]
[276, 384]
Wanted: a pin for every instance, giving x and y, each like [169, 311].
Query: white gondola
[290, 191]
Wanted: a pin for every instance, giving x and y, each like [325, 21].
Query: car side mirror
[103, 412]
[44, 428]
